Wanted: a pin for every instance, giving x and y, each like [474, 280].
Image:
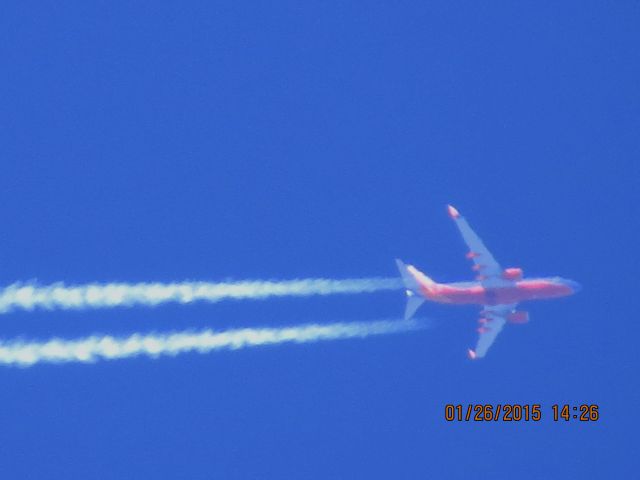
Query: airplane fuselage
[476, 294]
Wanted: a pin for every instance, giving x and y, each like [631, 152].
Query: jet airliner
[497, 290]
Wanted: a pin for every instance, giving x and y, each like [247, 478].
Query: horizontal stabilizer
[409, 280]
[413, 303]
[412, 279]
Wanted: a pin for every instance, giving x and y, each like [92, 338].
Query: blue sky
[208, 141]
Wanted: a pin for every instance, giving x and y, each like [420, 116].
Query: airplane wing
[494, 318]
[488, 269]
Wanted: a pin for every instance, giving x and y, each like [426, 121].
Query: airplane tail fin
[413, 279]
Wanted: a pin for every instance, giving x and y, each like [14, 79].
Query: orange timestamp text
[515, 412]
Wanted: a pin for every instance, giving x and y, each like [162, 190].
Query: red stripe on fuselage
[477, 294]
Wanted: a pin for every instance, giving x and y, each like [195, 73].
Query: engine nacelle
[512, 274]
[518, 317]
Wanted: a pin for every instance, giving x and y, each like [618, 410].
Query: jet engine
[512, 274]
[518, 316]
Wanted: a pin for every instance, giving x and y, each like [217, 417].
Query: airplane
[497, 290]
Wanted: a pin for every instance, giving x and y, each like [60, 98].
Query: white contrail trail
[94, 348]
[80, 297]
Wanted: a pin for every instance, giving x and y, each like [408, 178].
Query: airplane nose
[575, 286]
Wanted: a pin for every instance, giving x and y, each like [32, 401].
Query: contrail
[81, 297]
[95, 348]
